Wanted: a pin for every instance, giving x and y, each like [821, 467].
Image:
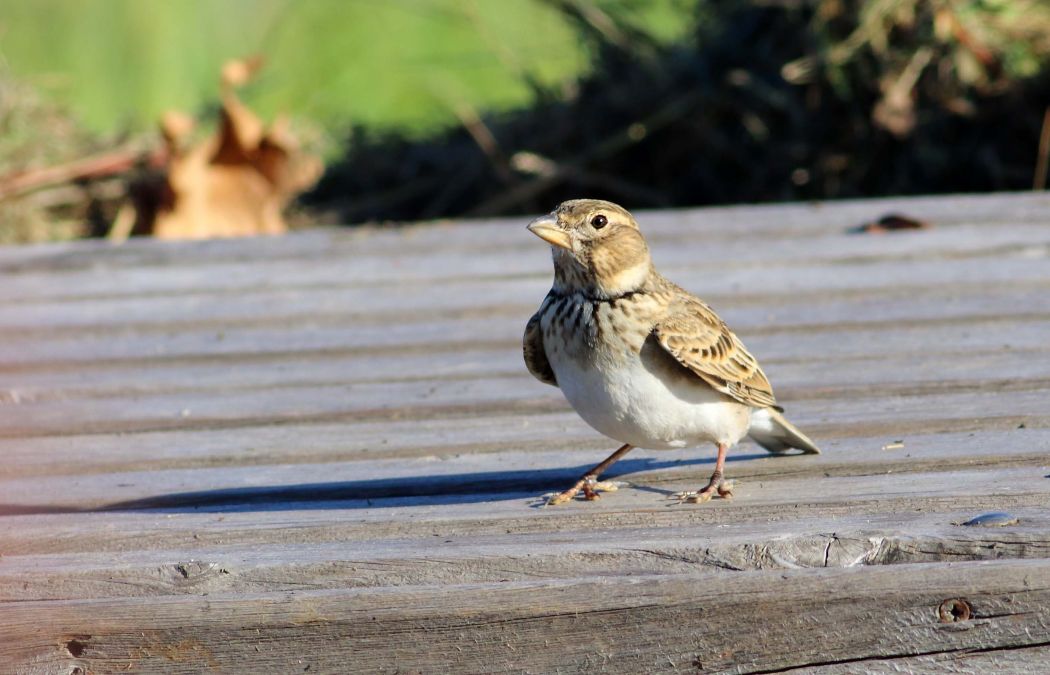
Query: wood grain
[651, 623]
[323, 451]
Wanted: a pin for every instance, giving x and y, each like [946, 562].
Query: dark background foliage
[769, 101]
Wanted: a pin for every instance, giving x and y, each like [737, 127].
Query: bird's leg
[588, 483]
[724, 488]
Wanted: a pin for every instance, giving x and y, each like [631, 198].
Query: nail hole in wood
[954, 610]
[77, 645]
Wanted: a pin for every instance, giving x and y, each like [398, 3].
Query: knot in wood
[955, 609]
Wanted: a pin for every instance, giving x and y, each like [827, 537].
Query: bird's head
[597, 247]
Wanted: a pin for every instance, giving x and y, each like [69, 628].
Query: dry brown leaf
[235, 183]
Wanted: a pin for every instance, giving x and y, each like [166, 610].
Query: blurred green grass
[440, 108]
[398, 64]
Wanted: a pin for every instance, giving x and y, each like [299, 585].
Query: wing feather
[535, 355]
[698, 339]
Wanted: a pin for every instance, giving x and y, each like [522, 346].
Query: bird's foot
[723, 488]
[589, 486]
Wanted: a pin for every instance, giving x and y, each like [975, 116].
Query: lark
[640, 359]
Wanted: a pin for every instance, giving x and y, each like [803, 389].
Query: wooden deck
[323, 453]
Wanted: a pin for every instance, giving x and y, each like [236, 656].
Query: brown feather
[535, 356]
[692, 333]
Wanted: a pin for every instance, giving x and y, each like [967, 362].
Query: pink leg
[588, 484]
[724, 489]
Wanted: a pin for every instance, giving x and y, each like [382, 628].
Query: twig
[1043, 159]
[592, 15]
[621, 140]
[966, 39]
[483, 136]
[122, 225]
[99, 166]
[70, 194]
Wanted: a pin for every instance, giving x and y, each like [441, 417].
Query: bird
[640, 359]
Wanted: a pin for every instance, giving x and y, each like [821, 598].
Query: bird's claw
[589, 488]
[693, 496]
[723, 488]
[554, 499]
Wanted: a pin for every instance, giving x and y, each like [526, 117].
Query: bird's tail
[774, 433]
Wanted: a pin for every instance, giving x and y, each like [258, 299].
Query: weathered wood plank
[438, 337]
[423, 400]
[988, 431]
[498, 558]
[331, 436]
[427, 266]
[731, 274]
[294, 376]
[779, 312]
[452, 475]
[783, 222]
[996, 364]
[623, 624]
[357, 525]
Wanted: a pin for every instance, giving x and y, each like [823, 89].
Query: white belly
[632, 404]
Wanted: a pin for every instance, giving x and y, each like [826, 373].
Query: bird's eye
[599, 221]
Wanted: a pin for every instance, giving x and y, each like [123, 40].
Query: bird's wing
[693, 334]
[535, 356]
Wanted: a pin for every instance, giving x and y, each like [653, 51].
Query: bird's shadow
[376, 493]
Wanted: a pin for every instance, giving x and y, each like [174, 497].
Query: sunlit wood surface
[323, 453]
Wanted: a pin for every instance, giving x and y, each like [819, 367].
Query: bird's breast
[605, 365]
[589, 330]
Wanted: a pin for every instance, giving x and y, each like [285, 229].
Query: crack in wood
[877, 658]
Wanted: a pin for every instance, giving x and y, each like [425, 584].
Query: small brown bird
[640, 359]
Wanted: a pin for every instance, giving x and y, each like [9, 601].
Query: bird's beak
[546, 228]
